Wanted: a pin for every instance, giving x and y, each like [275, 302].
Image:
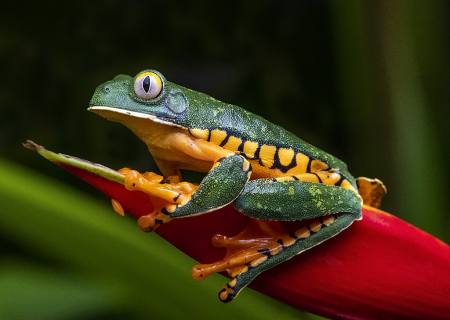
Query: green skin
[228, 182]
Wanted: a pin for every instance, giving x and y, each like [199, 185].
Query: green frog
[266, 172]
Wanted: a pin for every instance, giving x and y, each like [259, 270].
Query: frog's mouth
[115, 114]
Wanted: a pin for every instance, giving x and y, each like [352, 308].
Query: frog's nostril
[107, 89]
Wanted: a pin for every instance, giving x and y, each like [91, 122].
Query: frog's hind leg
[289, 200]
[333, 209]
[286, 247]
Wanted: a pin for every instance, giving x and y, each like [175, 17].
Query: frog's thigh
[289, 200]
[301, 243]
[196, 148]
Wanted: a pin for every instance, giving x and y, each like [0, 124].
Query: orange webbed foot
[165, 194]
[150, 183]
[250, 246]
[249, 252]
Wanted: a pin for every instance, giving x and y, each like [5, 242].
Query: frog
[263, 170]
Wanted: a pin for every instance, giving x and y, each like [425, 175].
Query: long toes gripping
[166, 195]
[152, 184]
[245, 251]
[256, 255]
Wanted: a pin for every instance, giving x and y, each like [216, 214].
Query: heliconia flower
[379, 268]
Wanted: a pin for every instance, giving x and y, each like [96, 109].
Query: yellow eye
[148, 85]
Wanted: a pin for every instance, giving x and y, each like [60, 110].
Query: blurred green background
[367, 81]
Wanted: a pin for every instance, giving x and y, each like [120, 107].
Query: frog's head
[146, 96]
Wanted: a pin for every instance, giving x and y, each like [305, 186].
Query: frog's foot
[262, 245]
[371, 191]
[258, 233]
[259, 241]
[163, 192]
[150, 183]
[252, 244]
[166, 195]
[150, 222]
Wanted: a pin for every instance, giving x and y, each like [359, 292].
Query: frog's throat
[99, 109]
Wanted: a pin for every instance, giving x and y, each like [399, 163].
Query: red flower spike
[379, 268]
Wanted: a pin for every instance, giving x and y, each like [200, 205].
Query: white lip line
[136, 114]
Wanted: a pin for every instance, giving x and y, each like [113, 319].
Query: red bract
[379, 268]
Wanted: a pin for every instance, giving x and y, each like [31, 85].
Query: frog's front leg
[333, 208]
[221, 186]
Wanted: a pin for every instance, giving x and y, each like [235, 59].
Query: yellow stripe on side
[250, 148]
[286, 156]
[266, 154]
[200, 133]
[233, 143]
[217, 136]
[302, 164]
[317, 165]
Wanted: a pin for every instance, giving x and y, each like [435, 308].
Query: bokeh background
[367, 81]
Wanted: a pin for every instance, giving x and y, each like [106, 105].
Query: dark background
[367, 81]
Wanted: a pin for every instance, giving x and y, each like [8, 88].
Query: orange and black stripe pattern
[274, 161]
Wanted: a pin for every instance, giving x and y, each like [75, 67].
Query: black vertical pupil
[146, 84]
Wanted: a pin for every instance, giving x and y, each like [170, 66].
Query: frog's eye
[147, 85]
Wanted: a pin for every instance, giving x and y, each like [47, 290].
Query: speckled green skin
[294, 200]
[221, 186]
[228, 181]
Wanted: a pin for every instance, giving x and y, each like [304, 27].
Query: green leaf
[31, 291]
[93, 260]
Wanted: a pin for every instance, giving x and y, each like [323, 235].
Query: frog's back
[272, 150]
